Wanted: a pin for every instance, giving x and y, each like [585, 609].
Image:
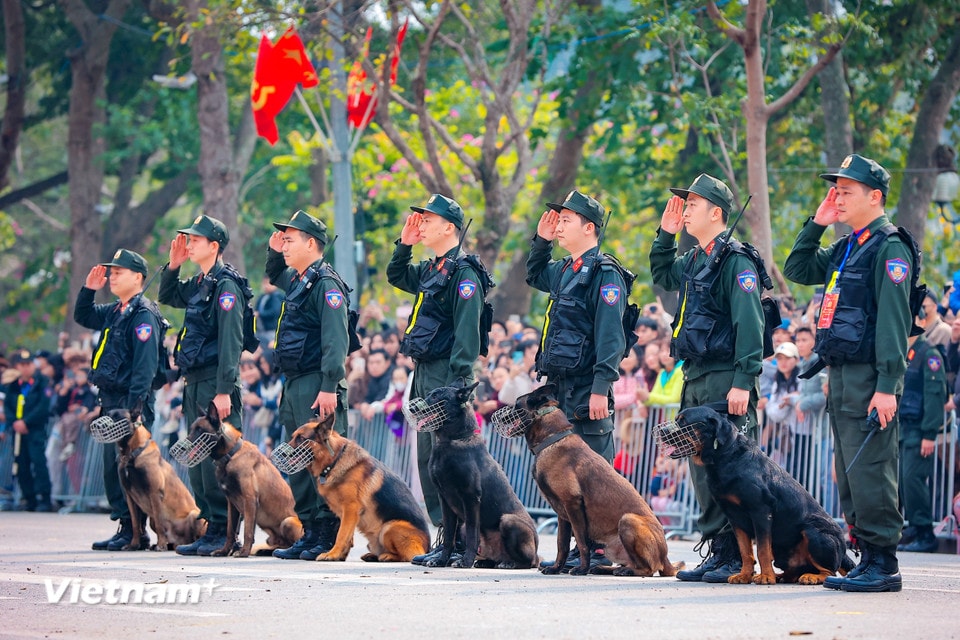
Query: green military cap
[21, 356]
[128, 260]
[864, 171]
[303, 221]
[210, 228]
[582, 204]
[710, 188]
[444, 207]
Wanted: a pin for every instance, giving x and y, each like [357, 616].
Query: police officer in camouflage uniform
[582, 341]
[311, 351]
[124, 365]
[443, 334]
[921, 419]
[717, 332]
[207, 354]
[867, 271]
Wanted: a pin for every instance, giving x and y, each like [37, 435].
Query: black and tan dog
[365, 495]
[594, 502]
[474, 490]
[761, 500]
[253, 487]
[152, 488]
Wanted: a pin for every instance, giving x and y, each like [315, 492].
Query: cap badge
[197, 221]
[846, 162]
[117, 254]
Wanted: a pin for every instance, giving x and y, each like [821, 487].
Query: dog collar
[542, 411]
[225, 460]
[549, 440]
[327, 469]
[136, 452]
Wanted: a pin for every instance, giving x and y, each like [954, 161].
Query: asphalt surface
[46, 556]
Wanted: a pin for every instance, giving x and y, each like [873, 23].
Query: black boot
[126, 537]
[327, 530]
[907, 536]
[923, 542]
[103, 545]
[309, 539]
[203, 541]
[730, 561]
[882, 574]
[716, 558]
[431, 558]
[836, 582]
[217, 541]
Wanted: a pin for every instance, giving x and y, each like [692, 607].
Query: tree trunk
[15, 37]
[921, 174]
[84, 149]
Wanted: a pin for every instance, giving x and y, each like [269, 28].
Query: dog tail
[670, 569]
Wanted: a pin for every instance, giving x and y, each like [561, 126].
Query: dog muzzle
[106, 430]
[425, 417]
[677, 440]
[292, 459]
[190, 453]
[511, 422]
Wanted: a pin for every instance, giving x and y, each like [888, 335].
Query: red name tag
[828, 309]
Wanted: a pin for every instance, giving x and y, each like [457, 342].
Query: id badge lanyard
[831, 296]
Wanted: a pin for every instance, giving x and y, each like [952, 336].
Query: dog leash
[874, 420]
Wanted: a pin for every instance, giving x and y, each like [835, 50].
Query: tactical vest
[298, 339]
[430, 332]
[911, 402]
[197, 343]
[114, 353]
[567, 346]
[851, 337]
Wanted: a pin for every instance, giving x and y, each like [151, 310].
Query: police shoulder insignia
[747, 280]
[610, 293]
[466, 289]
[334, 298]
[227, 300]
[143, 331]
[897, 270]
[933, 363]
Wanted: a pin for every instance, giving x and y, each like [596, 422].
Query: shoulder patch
[933, 363]
[143, 331]
[610, 293]
[466, 289]
[747, 280]
[334, 298]
[897, 270]
[227, 301]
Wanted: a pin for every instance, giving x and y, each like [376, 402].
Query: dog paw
[580, 570]
[243, 553]
[370, 557]
[624, 571]
[330, 557]
[764, 578]
[550, 571]
[220, 552]
[810, 578]
[740, 578]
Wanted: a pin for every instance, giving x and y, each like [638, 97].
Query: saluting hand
[276, 241]
[827, 212]
[178, 251]
[672, 219]
[547, 227]
[96, 278]
[410, 234]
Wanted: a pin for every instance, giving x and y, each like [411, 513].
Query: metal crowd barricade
[396, 451]
[517, 460]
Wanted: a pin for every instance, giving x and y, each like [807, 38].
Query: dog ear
[724, 431]
[463, 394]
[543, 394]
[136, 411]
[213, 414]
[325, 426]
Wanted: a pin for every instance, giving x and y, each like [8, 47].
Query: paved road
[266, 598]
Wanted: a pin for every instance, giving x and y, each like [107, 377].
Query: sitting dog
[153, 488]
[364, 494]
[761, 501]
[473, 488]
[592, 500]
[253, 486]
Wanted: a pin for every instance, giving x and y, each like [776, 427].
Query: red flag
[279, 69]
[359, 92]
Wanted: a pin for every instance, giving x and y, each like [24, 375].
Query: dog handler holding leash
[311, 351]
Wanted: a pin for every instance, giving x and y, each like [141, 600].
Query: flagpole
[326, 121]
[324, 139]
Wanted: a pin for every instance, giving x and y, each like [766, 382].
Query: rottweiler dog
[153, 488]
[761, 501]
[594, 502]
[474, 490]
[253, 486]
[364, 494]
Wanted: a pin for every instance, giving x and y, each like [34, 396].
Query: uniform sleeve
[36, 410]
[145, 353]
[277, 271]
[807, 262]
[86, 313]
[229, 333]
[895, 320]
[934, 394]
[540, 268]
[333, 338]
[173, 292]
[608, 336]
[665, 267]
[400, 273]
[467, 308]
[741, 288]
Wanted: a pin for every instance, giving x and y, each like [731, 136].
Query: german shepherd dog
[364, 494]
[594, 502]
[474, 490]
[152, 488]
[761, 500]
[253, 486]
